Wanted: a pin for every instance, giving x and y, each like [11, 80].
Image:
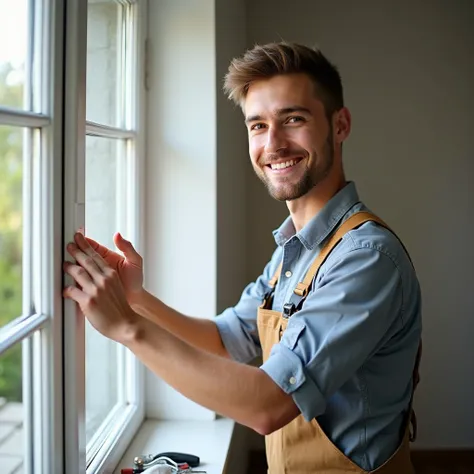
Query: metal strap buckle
[288, 310]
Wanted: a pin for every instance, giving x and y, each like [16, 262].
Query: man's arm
[246, 394]
[200, 333]
[238, 391]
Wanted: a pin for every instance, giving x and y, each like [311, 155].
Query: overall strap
[351, 223]
[272, 283]
[356, 220]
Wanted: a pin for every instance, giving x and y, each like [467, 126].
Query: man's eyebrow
[279, 112]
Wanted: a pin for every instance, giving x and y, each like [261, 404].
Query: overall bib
[302, 447]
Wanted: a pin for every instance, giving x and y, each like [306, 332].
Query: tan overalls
[302, 447]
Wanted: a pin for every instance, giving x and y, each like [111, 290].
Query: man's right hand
[129, 266]
[198, 332]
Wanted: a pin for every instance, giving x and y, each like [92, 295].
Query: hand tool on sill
[178, 461]
[167, 469]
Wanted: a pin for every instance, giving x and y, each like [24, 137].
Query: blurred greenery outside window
[11, 165]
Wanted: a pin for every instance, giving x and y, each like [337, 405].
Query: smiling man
[336, 312]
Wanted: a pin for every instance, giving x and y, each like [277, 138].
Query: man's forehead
[280, 94]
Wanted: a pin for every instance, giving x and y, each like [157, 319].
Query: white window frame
[40, 330]
[52, 332]
[107, 446]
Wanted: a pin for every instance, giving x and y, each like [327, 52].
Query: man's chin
[284, 195]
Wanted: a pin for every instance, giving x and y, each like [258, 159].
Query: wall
[408, 74]
[181, 174]
[232, 160]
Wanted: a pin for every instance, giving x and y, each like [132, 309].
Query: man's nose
[276, 140]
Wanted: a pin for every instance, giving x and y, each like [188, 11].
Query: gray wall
[232, 160]
[408, 74]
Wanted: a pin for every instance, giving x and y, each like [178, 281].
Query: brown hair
[267, 61]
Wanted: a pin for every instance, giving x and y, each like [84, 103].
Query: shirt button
[288, 274]
[292, 380]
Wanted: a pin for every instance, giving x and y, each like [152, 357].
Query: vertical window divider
[74, 217]
[31, 221]
[51, 344]
[134, 151]
[121, 66]
[27, 392]
[122, 168]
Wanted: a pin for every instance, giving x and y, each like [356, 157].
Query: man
[338, 305]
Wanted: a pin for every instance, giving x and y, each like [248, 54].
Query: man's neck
[303, 209]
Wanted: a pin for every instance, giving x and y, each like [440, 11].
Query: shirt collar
[323, 223]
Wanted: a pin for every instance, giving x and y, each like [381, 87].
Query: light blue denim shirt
[352, 346]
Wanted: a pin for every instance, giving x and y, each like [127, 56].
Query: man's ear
[342, 124]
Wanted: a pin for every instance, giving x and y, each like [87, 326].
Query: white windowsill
[210, 440]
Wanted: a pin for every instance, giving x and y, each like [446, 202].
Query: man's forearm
[200, 333]
[243, 393]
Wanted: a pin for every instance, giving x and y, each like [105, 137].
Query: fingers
[76, 295]
[84, 245]
[80, 276]
[128, 250]
[84, 260]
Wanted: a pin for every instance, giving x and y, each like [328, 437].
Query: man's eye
[257, 126]
[295, 119]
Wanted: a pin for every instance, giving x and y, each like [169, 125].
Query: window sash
[40, 327]
[107, 446]
[109, 443]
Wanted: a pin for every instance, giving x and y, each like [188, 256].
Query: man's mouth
[284, 164]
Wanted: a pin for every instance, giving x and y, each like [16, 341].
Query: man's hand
[129, 266]
[101, 295]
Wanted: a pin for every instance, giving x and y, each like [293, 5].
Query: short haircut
[273, 59]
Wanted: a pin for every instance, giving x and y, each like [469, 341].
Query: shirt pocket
[292, 334]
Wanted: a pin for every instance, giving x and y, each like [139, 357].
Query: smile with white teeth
[281, 166]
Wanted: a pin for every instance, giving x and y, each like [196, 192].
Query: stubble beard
[287, 191]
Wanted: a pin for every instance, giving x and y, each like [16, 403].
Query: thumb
[127, 249]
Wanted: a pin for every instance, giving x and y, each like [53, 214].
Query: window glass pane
[103, 36]
[13, 51]
[103, 215]
[12, 439]
[11, 222]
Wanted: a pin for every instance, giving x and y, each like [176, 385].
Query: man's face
[290, 139]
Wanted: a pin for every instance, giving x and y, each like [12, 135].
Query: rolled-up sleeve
[354, 308]
[237, 326]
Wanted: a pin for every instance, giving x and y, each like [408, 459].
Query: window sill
[210, 440]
